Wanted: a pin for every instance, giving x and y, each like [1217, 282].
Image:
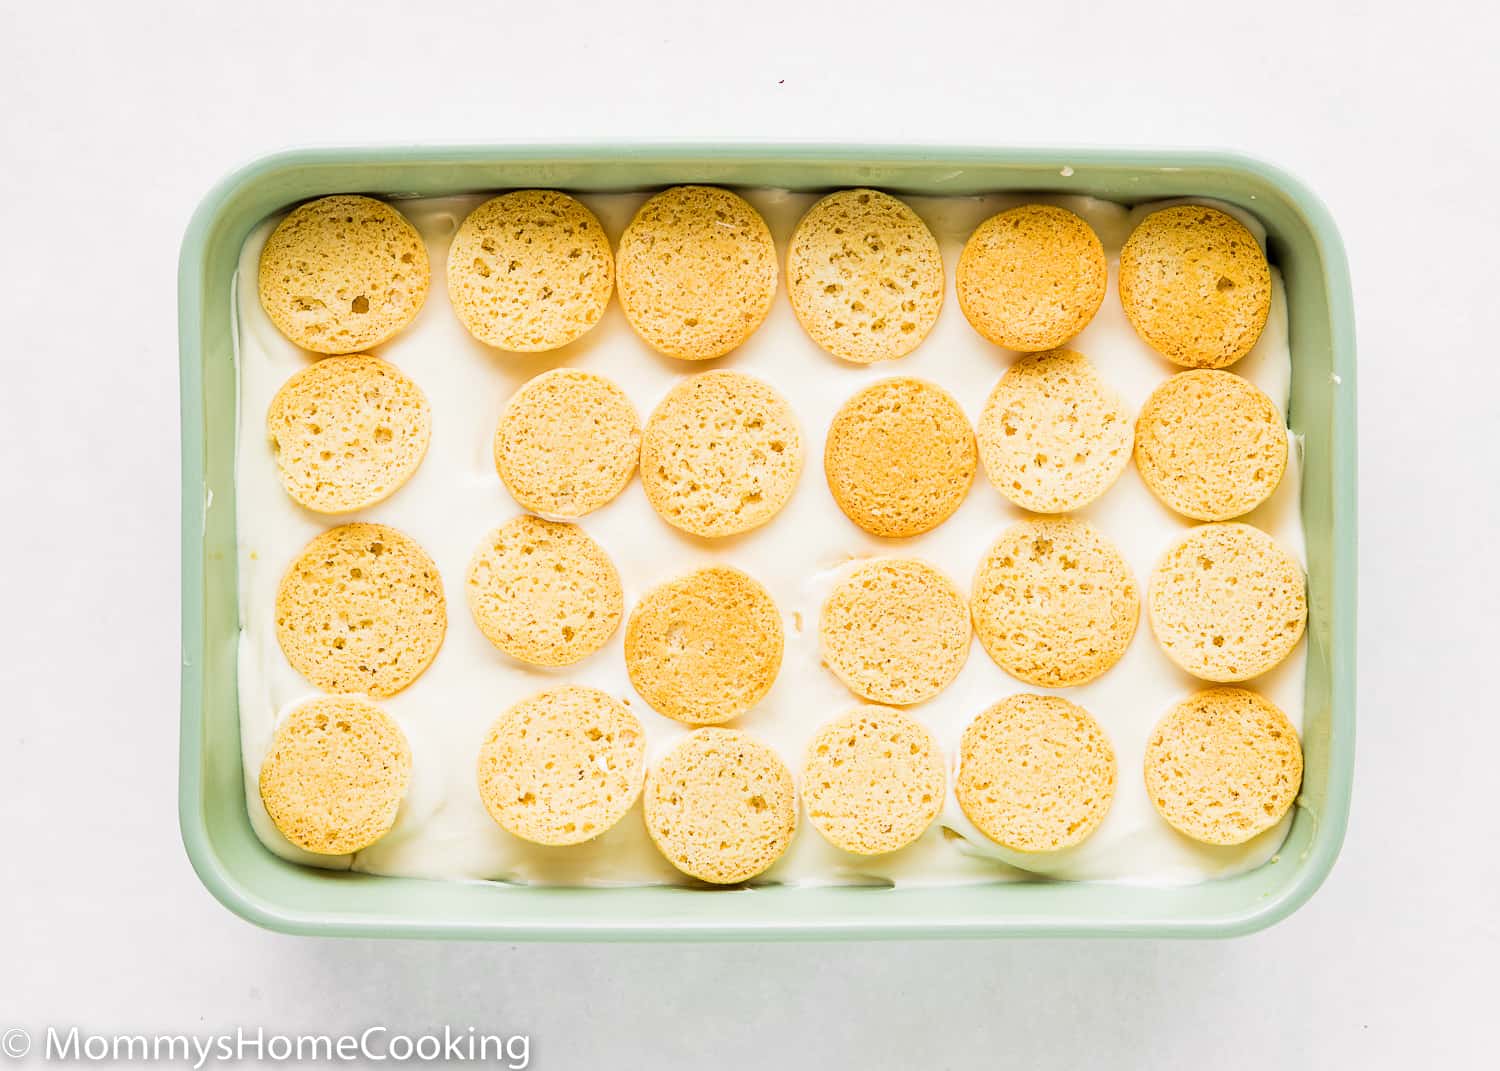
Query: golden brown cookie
[873, 780]
[530, 270]
[1210, 445]
[1223, 766]
[567, 443]
[865, 276]
[704, 648]
[895, 630]
[721, 454]
[899, 457]
[1031, 277]
[346, 432]
[1054, 602]
[697, 272]
[335, 775]
[1227, 603]
[544, 592]
[562, 766]
[721, 806]
[1035, 774]
[361, 610]
[1195, 285]
[342, 274]
[1053, 435]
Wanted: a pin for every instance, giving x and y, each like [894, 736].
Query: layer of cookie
[456, 497]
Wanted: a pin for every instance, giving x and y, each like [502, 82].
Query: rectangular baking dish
[257, 885]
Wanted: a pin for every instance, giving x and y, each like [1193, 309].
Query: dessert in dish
[753, 599]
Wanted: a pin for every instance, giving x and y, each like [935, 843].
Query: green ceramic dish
[262, 888]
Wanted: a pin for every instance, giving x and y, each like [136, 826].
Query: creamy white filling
[443, 831]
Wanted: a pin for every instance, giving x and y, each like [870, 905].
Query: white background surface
[115, 120]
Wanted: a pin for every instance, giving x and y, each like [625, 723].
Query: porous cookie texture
[1210, 445]
[697, 272]
[1031, 277]
[865, 276]
[1195, 285]
[1036, 773]
[1054, 603]
[1227, 603]
[335, 775]
[895, 630]
[342, 274]
[562, 766]
[706, 647]
[530, 270]
[720, 806]
[721, 454]
[899, 457]
[544, 592]
[1053, 435]
[567, 443]
[873, 780]
[361, 610]
[1223, 765]
[346, 432]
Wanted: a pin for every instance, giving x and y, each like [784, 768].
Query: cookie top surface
[1036, 773]
[1195, 285]
[567, 443]
[1031, 277]
[361, 610]
[705, 647]
[1210, 445]
[346, 432]
[1053, 435]
[873, 780]
[342, 274]
[895, 630]
[899, 457]
[1054, 602]
[335, 775]
[562, 766]
[697, 272]
[1227, 603]
[865, 276]
[1223, 765]
[720, 806]
[721, 454]
[544, 592]
[530, 270]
